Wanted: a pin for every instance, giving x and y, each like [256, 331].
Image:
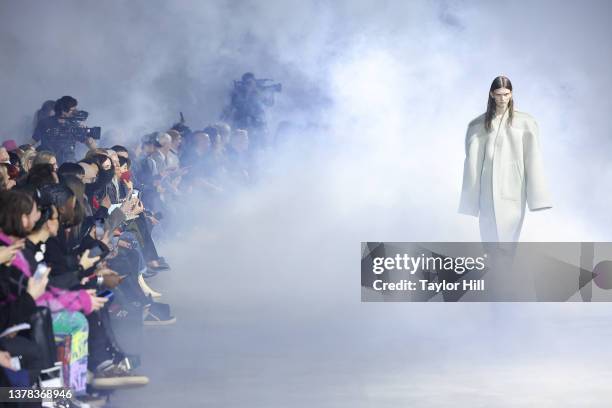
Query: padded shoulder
[524, 120]
[478, 121]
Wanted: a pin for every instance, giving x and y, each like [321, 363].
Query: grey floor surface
[272, 318]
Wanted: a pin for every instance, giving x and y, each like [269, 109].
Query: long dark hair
[60, 195]
[81, 210]
[40, 175]
[46, 214]
[98, 188]
[498, 83]
[78, 188]
[14, 204]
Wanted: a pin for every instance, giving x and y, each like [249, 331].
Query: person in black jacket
[53, 132]
[68, 267]
[61, 252]
[17, 217]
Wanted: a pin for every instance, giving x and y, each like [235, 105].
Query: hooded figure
[503, 169]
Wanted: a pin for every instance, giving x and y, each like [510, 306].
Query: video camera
[261, 84]
[73, 129]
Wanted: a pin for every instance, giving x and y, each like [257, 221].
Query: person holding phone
[34, 252]
[67, 306]
[20, 293]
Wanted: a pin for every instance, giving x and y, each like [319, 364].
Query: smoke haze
[379, 94]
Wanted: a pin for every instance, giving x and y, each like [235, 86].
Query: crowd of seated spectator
[77, 248]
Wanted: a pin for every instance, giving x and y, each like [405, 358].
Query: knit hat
[10, 145]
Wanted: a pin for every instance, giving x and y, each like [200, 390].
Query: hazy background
[383, 92]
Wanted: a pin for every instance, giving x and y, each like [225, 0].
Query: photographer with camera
[60, 133]
[249, 100]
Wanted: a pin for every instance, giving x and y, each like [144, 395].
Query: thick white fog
[380, 94]
[393, 86]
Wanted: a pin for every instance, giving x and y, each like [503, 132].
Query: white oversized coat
[513, 176]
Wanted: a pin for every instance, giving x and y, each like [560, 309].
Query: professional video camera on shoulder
[248, 81]
[60, 133]
[71, 122]
[80, 132]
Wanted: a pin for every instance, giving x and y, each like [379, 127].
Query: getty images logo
[412, 264]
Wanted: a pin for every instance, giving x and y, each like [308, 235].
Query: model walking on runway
[503, 169]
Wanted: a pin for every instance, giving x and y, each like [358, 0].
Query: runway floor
[271, 324]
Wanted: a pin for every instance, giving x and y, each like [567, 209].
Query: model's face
[502, 97]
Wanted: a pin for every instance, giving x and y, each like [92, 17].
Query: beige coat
[503, 171]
